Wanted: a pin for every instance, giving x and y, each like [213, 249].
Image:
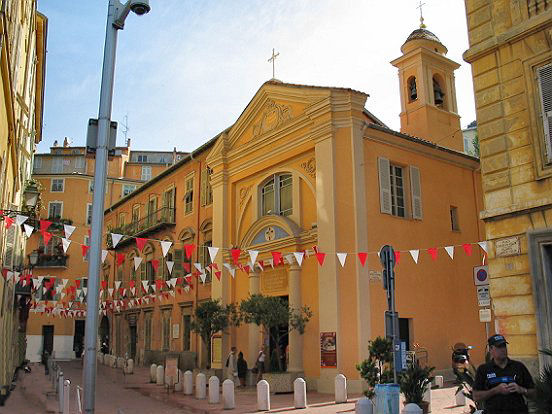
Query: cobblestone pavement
[134, 394]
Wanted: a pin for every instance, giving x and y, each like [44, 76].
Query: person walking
[260, 364]
[242, 369]
[231, 365]
[502, 383]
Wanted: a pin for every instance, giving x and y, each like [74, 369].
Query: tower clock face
[270, 234]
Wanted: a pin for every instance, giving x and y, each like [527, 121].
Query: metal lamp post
[117, 13]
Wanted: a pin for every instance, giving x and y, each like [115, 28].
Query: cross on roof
[273, 59]
[422, 25]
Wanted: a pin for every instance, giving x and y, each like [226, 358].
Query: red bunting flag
[189, 248]
[433, 252]
[362, 257]
[467, 248]
[104, 284]
[217, 274]
[159, 284]
[9, 221]
[397, 256]
[277, 256]
[179, 290]
[187, 267]
[155, 264]
[140, 243]
[179, 280]
[77, 283]
[320, 257]
[132, 284]
[5, 273]
[84, 249]
[188, 279]
[120, 258]
[235, 255]
[46, 236]
[44, 224]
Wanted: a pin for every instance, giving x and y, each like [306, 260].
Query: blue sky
[186, 70]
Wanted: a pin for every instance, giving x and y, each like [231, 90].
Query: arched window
[277, 196]
[438, 92]
[412, 91]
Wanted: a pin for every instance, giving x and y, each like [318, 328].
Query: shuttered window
[544, 76]
[416, 192]
[206, 193]
[396, 175]
[393, 183]
[385, 185]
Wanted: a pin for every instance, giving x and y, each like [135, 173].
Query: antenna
[125, 125]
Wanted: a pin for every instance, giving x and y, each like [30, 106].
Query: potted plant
[543, 398]
[378, 367]
[414, 382]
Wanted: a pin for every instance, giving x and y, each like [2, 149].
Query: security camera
[140, 7]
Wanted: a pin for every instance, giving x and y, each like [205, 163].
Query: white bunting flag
[133, 290]
[260, 266]
[202, 277]
[172, 282]
[187, 289]
[299, 257]
[289, 258]
[65, 243]
[198, 267]
[110, 290]
[271, 262]
[115, 239]
[9, 275]
[117, 285]
[172, 293]
[137, 261]
[64, 281]
[450, 251]
[253, 255]
[230, 269]
[104, 255]
[165, 246]
[28, 230]
[85, 291]
[154, 287]
[68, 230]
[58, 289]
[19, 219]
[79, 291]
[414, 254]
[342, 257]
[36, 283]
[213, 253]
[146, 300]
[145, 285]
[170, 266]
[483, 245]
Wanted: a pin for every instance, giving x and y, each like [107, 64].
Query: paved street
[134, 394]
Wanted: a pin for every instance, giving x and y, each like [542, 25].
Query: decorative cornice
[310, 167]
[274, 116]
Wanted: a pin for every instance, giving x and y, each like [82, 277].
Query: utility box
[92, 138]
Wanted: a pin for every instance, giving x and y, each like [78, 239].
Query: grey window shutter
[416, 190]
[203, 189]
[544, 75]
[385, 185]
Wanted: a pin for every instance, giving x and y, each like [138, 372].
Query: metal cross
[273, 59]
[422, 25]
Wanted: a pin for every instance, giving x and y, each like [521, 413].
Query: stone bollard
[178, 386]
[228, 401]
[153, 373]
[120, 362]
[130, 366]
[460, 398]
[66, 399]
[263, 396]
[411, 409]
[160, 375]
[214, 390]
[340, 389]
[300, 393]
[188, 383]
[60, 391]
[427, 398]
[201, 384]
[439, 381]
[364, 406]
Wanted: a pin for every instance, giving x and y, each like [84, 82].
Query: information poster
[328, 350]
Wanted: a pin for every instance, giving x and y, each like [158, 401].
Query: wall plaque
[507, 247]
[274, 281]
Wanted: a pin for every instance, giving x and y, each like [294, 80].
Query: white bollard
[300, 393]
[364, 406]
[228, 401]
[153, 373]
[439, 381]
[201, 384]
[460, 398]
[66, 395]
[188, 383]
[427, 398]
[411, 409]
[179, 385]
[160, 375]
[130, 366]
[214, 390]
[340, 389]
[60, 391]
[263, 396]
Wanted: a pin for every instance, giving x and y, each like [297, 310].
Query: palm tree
[543, 398]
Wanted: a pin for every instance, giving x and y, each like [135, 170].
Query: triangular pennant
[120, 258]
[433, 252]
[362, 257]
[117, 284]
[342, 257]
[84, 249]
[115, 239]
[450, 251]
[415, 254]
[104, 255]
[85, 290]
[145, 286]
[217, 274]
[141, 243]
[320, 257]
[104, 284]
[46, 236]
[467, 248]
[202, 276]
[19, 219]
[68, 229]
[288, 258]
[170, 266]
[189, 249]
[397, 256]
[8, 221]
[483, 245]
[213, 253]
[28, 230]
[44, 224]
[65, 243]
[277, 257]
[299, 257]
[165, 246]
[198, 267]
[137, 262]
[235, 255]
[253, 256]
[155, 264]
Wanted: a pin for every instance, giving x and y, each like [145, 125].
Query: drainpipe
[197, 236]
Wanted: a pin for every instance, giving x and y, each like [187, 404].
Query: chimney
[65, 142]
[128, 143]
[174, 155]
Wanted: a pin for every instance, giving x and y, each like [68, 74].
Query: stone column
[295, 363]
[253, 342]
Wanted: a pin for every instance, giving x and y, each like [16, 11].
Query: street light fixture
[116, 15]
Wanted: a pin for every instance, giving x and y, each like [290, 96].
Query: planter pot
[282, 382]
[424, 405]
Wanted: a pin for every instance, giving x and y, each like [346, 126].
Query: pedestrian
[260, 364]
[231, 365]
[242, 369]
[44, 361]
[502, 383]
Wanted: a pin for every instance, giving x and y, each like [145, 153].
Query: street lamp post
[117, 13]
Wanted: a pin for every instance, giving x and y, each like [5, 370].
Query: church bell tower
[428, 93]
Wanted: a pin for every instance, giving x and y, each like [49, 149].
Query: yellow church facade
[308, 169]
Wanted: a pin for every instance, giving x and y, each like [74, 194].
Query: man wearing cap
[502, 383]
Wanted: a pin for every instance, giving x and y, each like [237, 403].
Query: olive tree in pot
[414, 382]
[378, 367]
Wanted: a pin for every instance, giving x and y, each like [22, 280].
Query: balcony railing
[153, 222]
[56, 260]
